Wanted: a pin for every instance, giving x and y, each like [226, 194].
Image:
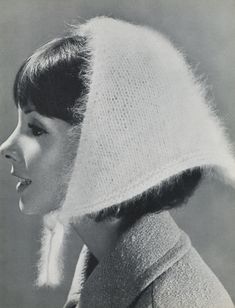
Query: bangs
[54, 79]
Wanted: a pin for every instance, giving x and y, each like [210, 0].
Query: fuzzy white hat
[146, 119]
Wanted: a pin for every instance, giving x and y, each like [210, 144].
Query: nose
[8, 148]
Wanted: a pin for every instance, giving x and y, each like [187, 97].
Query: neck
[99, 237]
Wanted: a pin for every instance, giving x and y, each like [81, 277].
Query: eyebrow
[28, 108]
[28, 111]
[38, 122]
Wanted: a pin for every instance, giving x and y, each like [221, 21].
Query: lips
[23, 182]
[22, 185]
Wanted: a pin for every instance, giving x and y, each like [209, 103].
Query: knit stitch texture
[146, 119]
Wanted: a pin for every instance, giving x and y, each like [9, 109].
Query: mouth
[22, 184]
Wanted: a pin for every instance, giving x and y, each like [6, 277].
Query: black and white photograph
[117, 154]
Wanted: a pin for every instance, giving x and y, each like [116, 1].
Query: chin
[31, 208]
[24, 209]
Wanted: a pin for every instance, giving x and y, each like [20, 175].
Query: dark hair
[54, 79]
[172, 193]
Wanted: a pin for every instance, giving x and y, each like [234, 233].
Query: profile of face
[41, 154]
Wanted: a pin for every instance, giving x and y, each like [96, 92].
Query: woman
[113, 131]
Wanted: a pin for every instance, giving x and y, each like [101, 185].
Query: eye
[36, 131]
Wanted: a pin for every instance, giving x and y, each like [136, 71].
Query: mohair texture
[153, 265]
[146, 119]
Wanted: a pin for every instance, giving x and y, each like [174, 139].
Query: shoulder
[188, 283]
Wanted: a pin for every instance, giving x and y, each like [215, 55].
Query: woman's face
[40, 152]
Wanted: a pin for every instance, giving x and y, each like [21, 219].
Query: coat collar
[143, 252]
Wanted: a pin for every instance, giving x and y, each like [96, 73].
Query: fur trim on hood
[147, 119]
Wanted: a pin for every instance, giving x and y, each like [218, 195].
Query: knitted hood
[146, 119]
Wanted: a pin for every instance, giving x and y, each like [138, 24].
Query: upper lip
[19, 176]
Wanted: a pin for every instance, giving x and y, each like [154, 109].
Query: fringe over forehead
[54, 79]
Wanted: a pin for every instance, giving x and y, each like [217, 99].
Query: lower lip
[21, 186]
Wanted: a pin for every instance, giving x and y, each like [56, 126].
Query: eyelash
[36, 131]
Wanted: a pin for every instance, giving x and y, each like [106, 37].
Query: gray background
[205, 31]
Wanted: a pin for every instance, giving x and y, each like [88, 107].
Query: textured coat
[153, 265]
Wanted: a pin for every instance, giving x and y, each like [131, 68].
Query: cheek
[51, 172]
[48, 181]
[43, 159]
[49, 169]
[54, 177]
[32, 154]
[47, 191]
